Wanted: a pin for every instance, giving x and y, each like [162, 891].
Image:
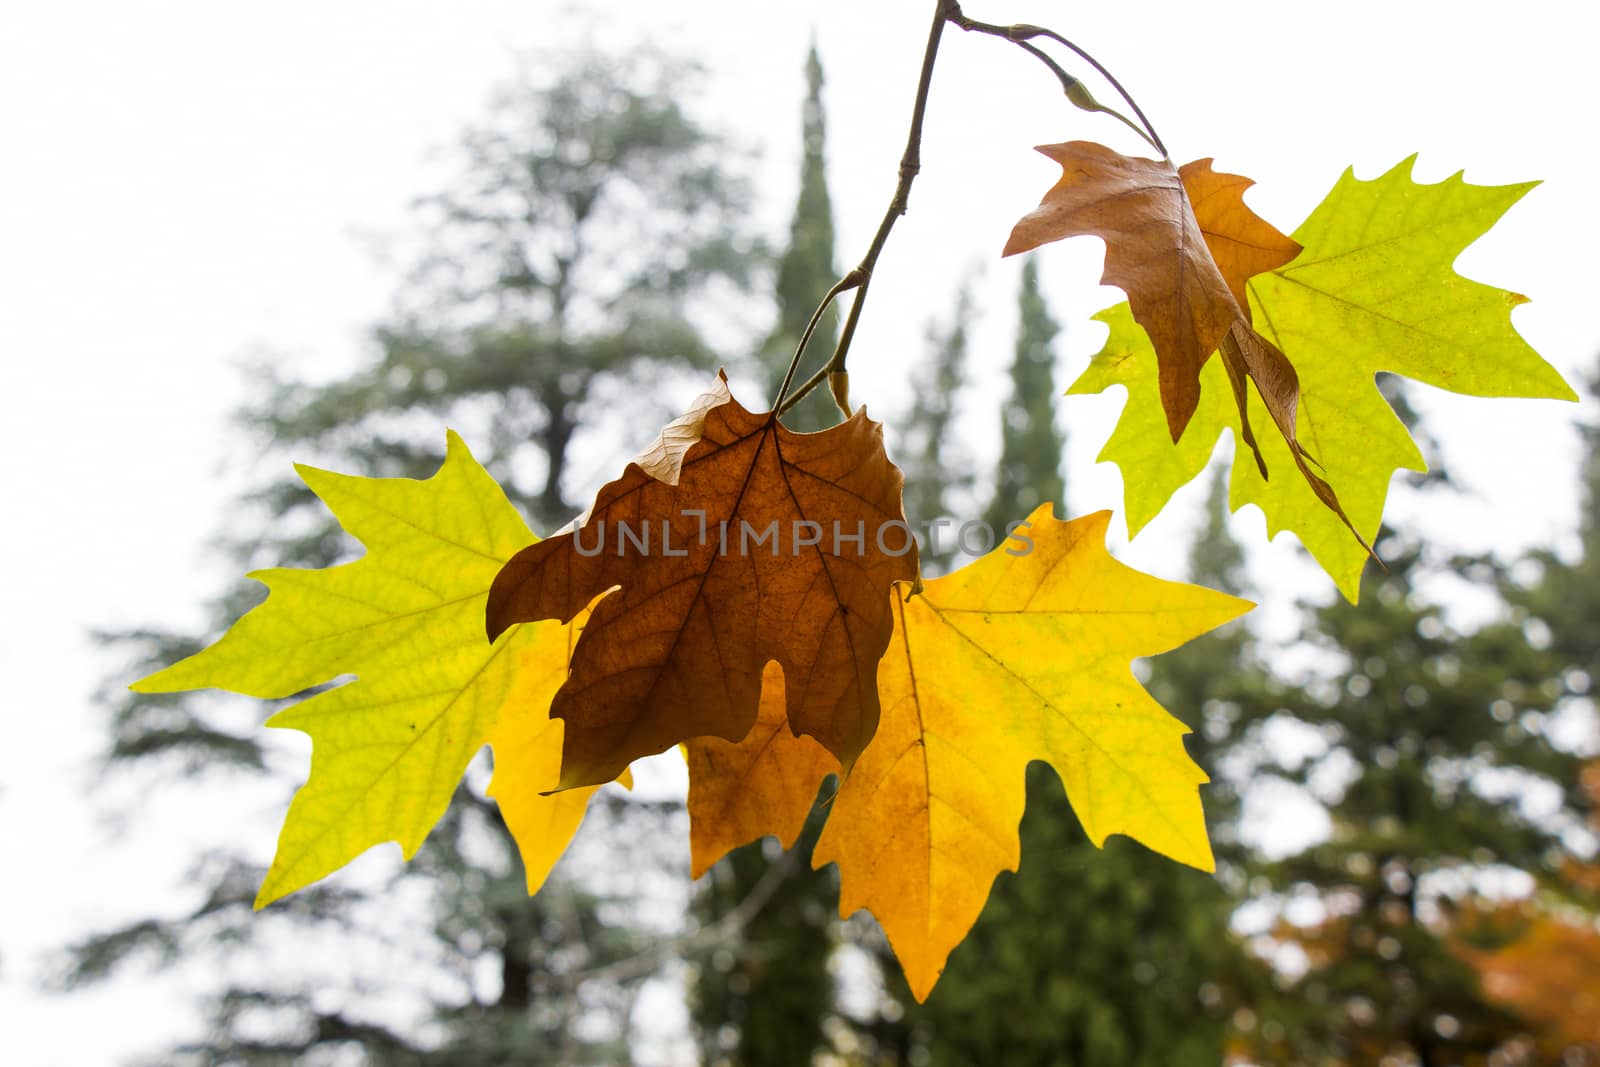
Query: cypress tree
[936, 467]
[806, 270]
[1031, 446]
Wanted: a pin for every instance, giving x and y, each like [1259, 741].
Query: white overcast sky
[183, 186]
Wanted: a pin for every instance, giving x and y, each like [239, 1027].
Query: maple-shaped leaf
[765, 783]
[1013, 658]
[735, 542]
[1374, 290]
[1181, 243]
[406, 619]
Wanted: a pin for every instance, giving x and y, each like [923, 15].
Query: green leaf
[1374, 290]
[389, 747]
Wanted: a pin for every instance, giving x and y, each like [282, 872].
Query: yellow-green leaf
[1010, 659]
[1373, 290]
[406, 620]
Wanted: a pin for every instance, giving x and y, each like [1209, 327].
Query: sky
[188, 187]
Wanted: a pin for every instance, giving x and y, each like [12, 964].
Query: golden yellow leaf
[763, 784]
[527, 757]
[1013, 658]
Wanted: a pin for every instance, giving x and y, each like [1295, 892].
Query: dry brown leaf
[764, 784]
[1155, 252]
[735, 551]
[1246, 354]
[1243, 243]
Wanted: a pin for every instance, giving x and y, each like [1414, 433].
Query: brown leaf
[1155, 252]
[764, 784]
[1243, 243]
[750, 557]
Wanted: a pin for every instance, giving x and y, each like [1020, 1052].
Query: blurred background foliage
[581, 263]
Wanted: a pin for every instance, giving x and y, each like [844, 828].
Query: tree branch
[861, 277]
[650, 959]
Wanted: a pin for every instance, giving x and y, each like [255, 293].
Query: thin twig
[647, 961]
[910, 164]
[1080, 96]
[1023, 32]
[860, 278]
[848, 282]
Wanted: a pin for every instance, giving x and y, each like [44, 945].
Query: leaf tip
[1096, 523]
[1017, 243]
[272, 890]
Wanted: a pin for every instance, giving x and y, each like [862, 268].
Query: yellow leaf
[527, 755]
[764, 784]
[1015, 657]
[406, 619]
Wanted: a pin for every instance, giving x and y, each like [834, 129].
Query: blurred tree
[545, 296]
[766, 997]
[806, 269]
[938, 471]
[1438, 757]
[1539, 956]
[1032, 448]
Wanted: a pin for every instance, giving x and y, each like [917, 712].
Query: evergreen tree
[543, 296]
[766, 997]
[937, 470]
[1539, 957]
[1031, 447]
[1432, 743]
[1557, 605]
[806, 270]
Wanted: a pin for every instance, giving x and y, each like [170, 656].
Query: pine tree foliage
[1439, 757]
[570, 265]
[1539, 957]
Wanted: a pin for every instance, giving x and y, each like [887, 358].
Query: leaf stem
[1022, 33]
[845, 284]
[861, 277]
